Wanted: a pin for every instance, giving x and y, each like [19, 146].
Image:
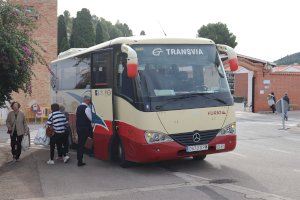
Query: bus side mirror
[232, 56]
[132, 61]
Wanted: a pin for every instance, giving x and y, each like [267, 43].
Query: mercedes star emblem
[196, 137]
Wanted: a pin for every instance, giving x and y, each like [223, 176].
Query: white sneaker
[66, 159]
[50, 162]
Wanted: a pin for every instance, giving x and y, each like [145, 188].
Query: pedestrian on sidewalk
[17, 128]
[83, 126]
[65, 142]
[272, 101]
[58, 121]
[287, 100]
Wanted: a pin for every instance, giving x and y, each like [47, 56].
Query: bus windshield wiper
[191, 95]
[212, 97]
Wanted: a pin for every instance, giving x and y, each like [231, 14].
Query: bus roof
[140, 40]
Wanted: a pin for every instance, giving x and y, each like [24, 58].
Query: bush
[17, 50]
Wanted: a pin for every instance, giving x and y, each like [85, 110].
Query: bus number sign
[106, 92]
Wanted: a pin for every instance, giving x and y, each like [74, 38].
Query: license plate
[197, 148]
[220, 146]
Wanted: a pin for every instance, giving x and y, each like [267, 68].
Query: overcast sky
[265, 29]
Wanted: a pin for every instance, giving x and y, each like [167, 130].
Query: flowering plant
[18, 51]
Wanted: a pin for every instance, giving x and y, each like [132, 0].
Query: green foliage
[124, 29]
[83, 34]
[99, 33]
[143, 32]
[289, 59]
[115, 33]
[62, 38]
[219, 33]
[18, 51]
[68, 22]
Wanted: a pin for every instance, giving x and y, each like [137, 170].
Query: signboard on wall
[267, 82]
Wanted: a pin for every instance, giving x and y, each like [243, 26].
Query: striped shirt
[58, 121]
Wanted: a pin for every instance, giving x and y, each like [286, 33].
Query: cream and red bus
[153, 99]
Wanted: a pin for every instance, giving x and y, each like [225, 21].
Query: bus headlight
[157, 137]
[228, 130]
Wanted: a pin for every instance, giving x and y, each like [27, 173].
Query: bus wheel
[121, 156]
[199, 158]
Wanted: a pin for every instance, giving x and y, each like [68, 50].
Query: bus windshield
[175, 70]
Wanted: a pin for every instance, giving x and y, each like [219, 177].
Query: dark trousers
[83, 133]
[56, 140]
[15, 143]
[65, 144]
[273, 107]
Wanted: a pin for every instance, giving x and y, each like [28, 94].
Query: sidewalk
[5, 155]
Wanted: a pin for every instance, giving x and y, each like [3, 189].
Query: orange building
[256, 78]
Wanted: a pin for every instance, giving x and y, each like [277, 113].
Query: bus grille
[186, 139]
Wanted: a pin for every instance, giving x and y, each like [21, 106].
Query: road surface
[265, 165]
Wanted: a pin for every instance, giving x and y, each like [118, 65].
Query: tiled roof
[287, 68]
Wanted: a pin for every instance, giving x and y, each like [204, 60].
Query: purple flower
[26, 51]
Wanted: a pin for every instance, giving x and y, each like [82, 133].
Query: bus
[154, 99]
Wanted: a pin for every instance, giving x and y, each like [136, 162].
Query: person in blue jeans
[286, 99]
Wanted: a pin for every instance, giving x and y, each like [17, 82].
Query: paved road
[265, 165]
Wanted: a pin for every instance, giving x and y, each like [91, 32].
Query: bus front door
[102, 98]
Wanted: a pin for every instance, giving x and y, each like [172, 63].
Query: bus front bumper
[143, 153]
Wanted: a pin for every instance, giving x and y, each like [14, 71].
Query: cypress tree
[99, 34]
[62, 38]
[83, 34]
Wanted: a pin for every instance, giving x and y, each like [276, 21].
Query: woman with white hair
[17, 128]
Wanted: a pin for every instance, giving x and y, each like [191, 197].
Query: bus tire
[199, 158]
[121, 156]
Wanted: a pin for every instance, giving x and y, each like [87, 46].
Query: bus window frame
[109, 70]
[117, 51]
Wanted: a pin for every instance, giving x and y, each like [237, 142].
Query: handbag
[25, 142]
[89, 143]
[50, 130]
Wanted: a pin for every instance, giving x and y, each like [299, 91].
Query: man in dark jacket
[83, 126]
[287, 99]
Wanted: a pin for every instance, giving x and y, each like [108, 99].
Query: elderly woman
[17, 128]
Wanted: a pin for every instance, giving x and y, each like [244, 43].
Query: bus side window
[125, 84]
[101, 65]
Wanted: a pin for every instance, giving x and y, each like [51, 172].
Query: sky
[267, 29]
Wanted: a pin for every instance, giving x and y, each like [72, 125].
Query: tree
[83, 34]
[219, 33]
[143, 32]
[107, 26]
[115, 33]
[99, 34]
[18, 51]
[62, 38]
[124, 28]
[68, 22]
